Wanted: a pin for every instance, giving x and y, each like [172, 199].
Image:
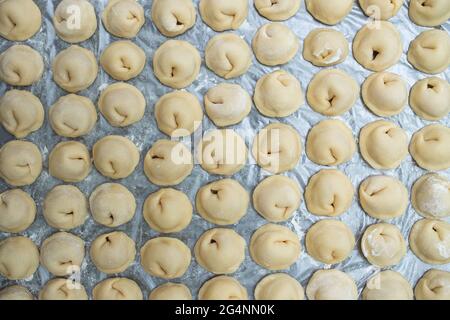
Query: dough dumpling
[166, 258]
[330, 143]
[220, 251]
[430, 241]
[178, 114]
[75, 20]
[385, 94]
[19, 19]
[279, 286]
[173, 17]
[112, 205]
[380, 9]
[383, 144]
[383, 197]
[332, 92]
[171, 291]
[117, 289]
[277, 148]
[168, 210]
[19, 258]
[75, 69]
[21, 113]
[429, 13]
[21, 65]
[65, 207]
[429, 147]
[278, 94]
[222, 15]
[17, 211]
[70, 161]
[123, 18]
[73, 116]
[222, 288]
[123, 60]
[434, 285]
[331, 284]
[122, 104]
[228, 55]
[388, 285]
[275, 44]
[223, 202]
[330, 241]
[329, 193]
[113, 252]
[276, 198]
[20, 163]
[115, 157]
[168, 163]
[430, 98]
[62, 289]
[431, 196]
[277, 10]
[329, 12]
[15, 293]
[176, 64]
[325, 47]
[275, 247]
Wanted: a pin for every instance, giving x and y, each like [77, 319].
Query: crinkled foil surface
[145, 133]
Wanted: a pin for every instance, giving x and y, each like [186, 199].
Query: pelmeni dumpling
[123, 18]
[279, 286]
[19, 19]
[70, 161]
[19, 258]
[434, 285]
[173, 17]
[430, 98]
[429, 13]
[277, 10]
[15, 293]
[331, 284]
[117, 289]
[21, 65]
[223, 15]
[123, 60]
[171, 291]
[222, 288]
[430, 196]
[17, 211]
[62, 289]
[325, 47]
[329, 12]
[388, 285]
[381, 9]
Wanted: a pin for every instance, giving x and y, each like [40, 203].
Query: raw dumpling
[388, 285]
[222, 288]
[123, 18]
[331, 284]
[62, 289]
[17, 211]
[173, 17]
[171, 291]
[19, 258]
[429, 13]
[21, 65]
[15, 293]
[381, 9]
[223, 15]
[329, 12]
[279, 286]
[123, 60]
[325, 47]
[434, 285]
[70, 161]
[19, 19]
[117, 289]
[430, 98]
[431, 196]
[277, 10]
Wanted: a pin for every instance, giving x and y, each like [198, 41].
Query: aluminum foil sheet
[145, 133]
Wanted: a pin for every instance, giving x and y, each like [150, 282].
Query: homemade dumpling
[19, 19]
[434, 285]
[381, 9]
[70, 161]
[21, 65]
[15, 293]
[123, 60]
[222, 288]
[171, 291]
[62, 289]
[279, 286]
[331, 284]
[277, 10]
[223, 15]
[173, 17]
[329, 12]
[430, 98]
[388, 285]
[325, 47]
[431, 196]
[117, 289]
[429, 13]
[19, 258]
[123, 18]
[17, 211]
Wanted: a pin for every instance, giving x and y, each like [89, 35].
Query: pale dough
[275, 247]
[117, 289]
[115, 157]
[227, 104]
[330, 241]
[21, 65]
[112, 205]
[168, 163]
[75, 69]
[123, 18]
[434, 285]
[15, 293]
[222, 288]
[17, 211]
[21, 113]
[277, 10]
[331, 284]
[228, 55]
[171, 291]
[275, 44]
[383, 197]
[332, 92]
[429, 147]
[222, 152]
[385, 93]
[65, 207]
[329, 193]
[19, 19]
[279, 286]
[62, 289]
[173, 17]
[222, 202]
[277, 148]
[276, 198]
[78, 29]
[62, 253]
[223, 15]
[166, 258]
[379, 47]
[429, 13]
[113, 252]
[167, 211]
[381, 9]
[430, 241]
[220, 251]
[69, 161]
[122, 104]
[388, 285]
[430, 98]
[383, 144]
[330, 143]
[123, 60]
[176, 64]
[19, 258]
[430, 196]
[278, 94]
[329, 12]
[325, 47]
[20, 163]
[178, 114]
